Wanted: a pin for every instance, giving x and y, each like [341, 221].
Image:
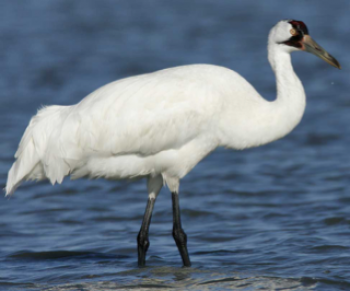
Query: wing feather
[141, 115]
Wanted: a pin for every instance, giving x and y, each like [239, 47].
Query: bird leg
[179, 235]
[142, 238]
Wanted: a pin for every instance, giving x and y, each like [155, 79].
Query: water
[271, 218]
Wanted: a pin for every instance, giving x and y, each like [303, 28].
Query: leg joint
[142, 241]
[180, 236]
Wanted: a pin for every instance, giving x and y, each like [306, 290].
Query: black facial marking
[301, 30]
[299, 26]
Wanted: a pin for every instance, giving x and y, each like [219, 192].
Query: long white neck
[263, 121]
[289, 106]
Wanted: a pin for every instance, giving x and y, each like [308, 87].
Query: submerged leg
[142, 238]
[154, 185]
[179, 235]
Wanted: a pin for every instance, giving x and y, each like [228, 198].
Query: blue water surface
[270, 218]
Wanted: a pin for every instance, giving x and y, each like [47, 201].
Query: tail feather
[21, 169]
[38, 155]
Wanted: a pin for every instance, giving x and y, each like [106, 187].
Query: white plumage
[159, 124]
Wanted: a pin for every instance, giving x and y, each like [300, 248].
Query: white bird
[160, 125]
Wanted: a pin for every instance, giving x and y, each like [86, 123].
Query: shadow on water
[171, 278]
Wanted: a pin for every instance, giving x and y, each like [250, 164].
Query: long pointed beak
[313, 47]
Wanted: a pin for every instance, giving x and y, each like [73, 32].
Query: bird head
[293, 35]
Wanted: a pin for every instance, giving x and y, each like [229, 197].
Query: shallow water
[271, 218]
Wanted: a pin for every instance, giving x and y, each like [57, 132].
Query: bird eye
[293, 32]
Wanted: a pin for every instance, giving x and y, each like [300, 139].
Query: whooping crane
[160, 125]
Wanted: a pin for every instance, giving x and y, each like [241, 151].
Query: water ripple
[270, 218]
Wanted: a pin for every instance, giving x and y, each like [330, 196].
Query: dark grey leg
[142, 238]
[179, 235]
